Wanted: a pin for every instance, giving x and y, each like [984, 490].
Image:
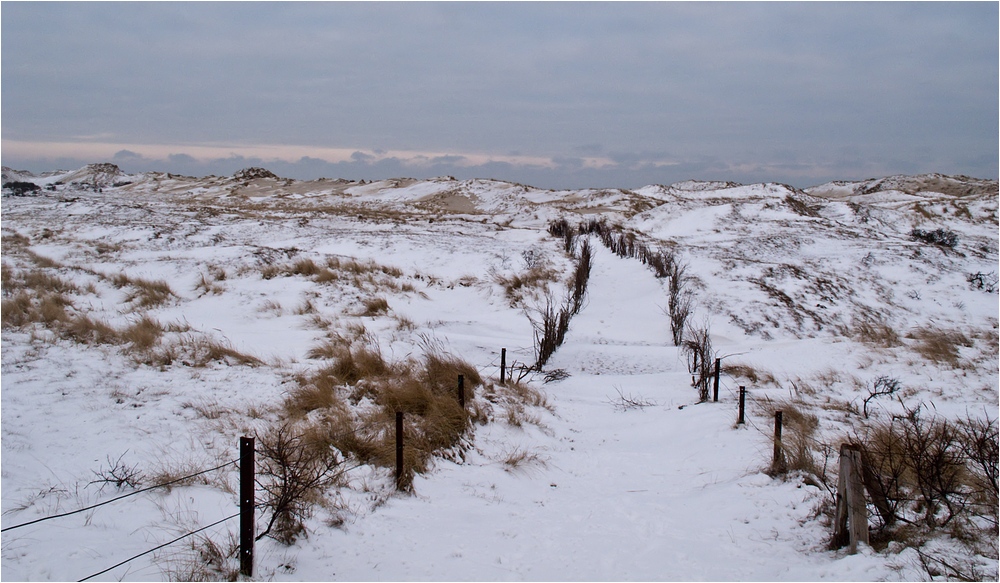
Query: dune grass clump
[144, 293]
[374, 307]
[799, 447]
[939, 345]
[424, 389]
[872, 329]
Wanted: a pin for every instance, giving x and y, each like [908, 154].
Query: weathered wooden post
[743, 395]
[778, 463]
[461, 391]
[246, 505]
[851, 526]
[399, 450]
[715, 389]
[503, 364]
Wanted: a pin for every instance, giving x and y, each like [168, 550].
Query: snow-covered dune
[604, 467]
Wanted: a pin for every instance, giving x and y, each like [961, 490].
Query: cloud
[126, 156]
[550, 81]
[181, 159]
[362, 157]
[447, 160]
[568, 162]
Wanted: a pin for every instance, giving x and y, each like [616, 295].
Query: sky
[555, 95]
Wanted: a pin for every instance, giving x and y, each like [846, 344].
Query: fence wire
[130, 494]
[156, 548]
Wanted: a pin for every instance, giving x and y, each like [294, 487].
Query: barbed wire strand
[160, 546]
[44, 518]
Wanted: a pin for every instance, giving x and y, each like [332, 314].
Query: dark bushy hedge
[936, 237]
[22, 188]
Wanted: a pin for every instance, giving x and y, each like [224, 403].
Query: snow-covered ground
[586, 488]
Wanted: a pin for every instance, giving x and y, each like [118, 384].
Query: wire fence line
[122, 497]
[158, 547]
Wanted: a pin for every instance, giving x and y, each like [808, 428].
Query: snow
[671, 490]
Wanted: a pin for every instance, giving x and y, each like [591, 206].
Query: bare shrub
[119, 474]
[564, 231]
[697, 347]
[292, 476]
[629, 402]
[881, 387]
[883, 454]
[679, 303]
[581, 276]
[917, 465]
[981, 448]
[550, 326]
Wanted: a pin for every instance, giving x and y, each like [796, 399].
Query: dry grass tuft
[142, 334]
[195, 352]
[145, 293]
[939, 345]
[517, 287]
[874, 330]
[424, 390]
[374, 307]
[85, 330]
[520, 459]
[750, 373]
[798, 443]
[305, 267]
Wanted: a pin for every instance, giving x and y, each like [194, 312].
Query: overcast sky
[557, 95]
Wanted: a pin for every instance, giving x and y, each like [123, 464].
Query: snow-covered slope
[614, 472]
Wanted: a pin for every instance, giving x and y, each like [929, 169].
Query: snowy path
[659, 493]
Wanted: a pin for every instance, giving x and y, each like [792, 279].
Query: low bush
[927, 469]
[697, 347]
[987, 282]
[939, 237]
[293, 475]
